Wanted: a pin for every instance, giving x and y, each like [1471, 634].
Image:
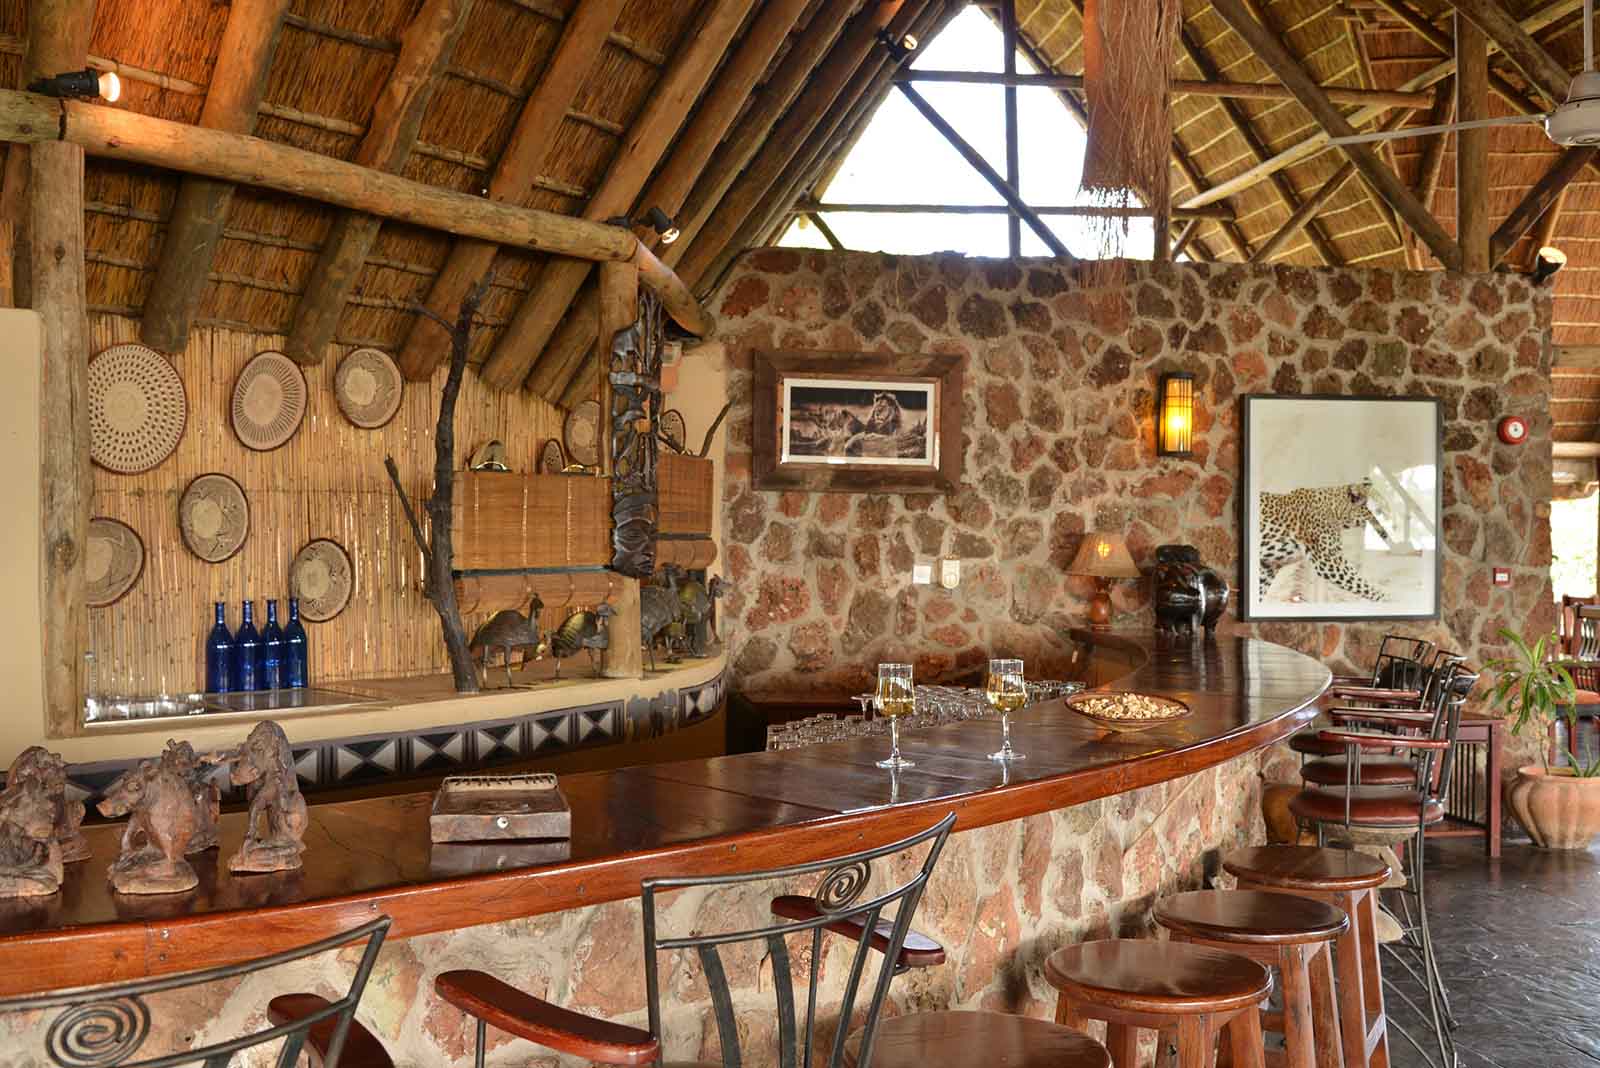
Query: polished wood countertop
[696, 817]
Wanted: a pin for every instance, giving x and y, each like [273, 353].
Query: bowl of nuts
[1126, 712]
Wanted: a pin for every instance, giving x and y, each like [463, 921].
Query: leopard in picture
[1307, 524]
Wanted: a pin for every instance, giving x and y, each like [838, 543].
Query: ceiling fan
[1575, 123]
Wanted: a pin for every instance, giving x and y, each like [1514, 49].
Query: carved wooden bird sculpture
[508, 630]
[582, 630]
[659, 609]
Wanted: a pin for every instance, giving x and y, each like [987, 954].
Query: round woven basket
[137, 409]
[269, 401]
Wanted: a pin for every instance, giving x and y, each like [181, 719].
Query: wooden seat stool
[1295, 935]
[991, 1039]
[1350, 881]
[1196, 991]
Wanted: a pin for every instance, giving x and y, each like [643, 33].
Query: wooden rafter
[425, 51]
[1539, 199]
[1442, 44]
[1333, 122]
[1549, 223]
[1431, 167]
[1315, 143]
[1472, 146]
[468, 262]
[530, 329]
[200, 210]
[1205, 87]
[787, 138]
[1518, 45]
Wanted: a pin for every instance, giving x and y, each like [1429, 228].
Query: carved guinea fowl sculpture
[659, 608]
[508, 630]
[582, 630]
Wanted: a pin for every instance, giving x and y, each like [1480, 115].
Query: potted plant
[1559, 807]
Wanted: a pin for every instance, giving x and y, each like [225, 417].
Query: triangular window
[901, 159]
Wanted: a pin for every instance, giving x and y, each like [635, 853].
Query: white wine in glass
[1007, 692]
[896, 698]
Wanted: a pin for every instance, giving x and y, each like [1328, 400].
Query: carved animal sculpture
[30, 854]
[277, 818]
[716, 589]
[582, 630]
[1187, 593]
[197, 772]
[162, 817]
[694, 601]
[1308, 524]
[39, 765]
[659, 609]
[507, 631]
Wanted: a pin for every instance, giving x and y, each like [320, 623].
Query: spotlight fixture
[899, 49]
[655, 219]
[1549, 260]
[81, 85]
[1175, 415]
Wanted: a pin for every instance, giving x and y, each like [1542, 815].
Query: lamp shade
[1104, 556]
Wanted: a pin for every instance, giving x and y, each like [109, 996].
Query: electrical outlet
[950, 574]
[1502, 576]
[921, 574]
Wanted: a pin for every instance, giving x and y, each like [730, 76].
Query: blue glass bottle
[268, 674]
[246, 652]
[295, 666]
[219, 654]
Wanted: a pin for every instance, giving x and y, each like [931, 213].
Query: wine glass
[896, 698]
[1006, 692]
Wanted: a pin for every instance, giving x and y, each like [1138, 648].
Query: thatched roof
[334, 57]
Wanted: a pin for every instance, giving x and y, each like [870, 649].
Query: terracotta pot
[1557, 810]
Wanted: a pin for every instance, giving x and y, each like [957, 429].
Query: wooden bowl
[1080, 703]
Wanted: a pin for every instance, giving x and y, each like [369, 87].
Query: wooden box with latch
[482, 808]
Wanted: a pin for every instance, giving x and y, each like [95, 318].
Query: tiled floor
[1519, 945]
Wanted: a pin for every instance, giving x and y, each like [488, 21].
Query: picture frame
[1341, 506]
[857, 422]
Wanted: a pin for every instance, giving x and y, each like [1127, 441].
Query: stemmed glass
[1006, 692]
[896, 698]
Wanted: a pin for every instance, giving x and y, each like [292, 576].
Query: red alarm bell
[1513, 430]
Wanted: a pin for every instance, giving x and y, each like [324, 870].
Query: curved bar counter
[696, 817]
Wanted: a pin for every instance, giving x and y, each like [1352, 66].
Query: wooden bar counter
[371, 857]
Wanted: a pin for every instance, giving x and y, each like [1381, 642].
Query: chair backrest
[1568, 620]
[843, 893]
[1582, 641]
[105, 1026]
[1450, 697]
[1401, 663]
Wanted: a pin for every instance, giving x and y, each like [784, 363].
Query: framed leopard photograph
[1341, 503]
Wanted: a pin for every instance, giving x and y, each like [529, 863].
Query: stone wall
[1059, 440]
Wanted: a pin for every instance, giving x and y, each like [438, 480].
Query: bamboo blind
[328, 481]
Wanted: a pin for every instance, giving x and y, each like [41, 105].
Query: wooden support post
[1272, 52]
[1008, 36]
[200, 210]
[58, 40]
[1445, 46]
[1430, 169]
[618, 309]
[582, 38]
[1539, 200]
[523, 341]
[1472, 146]
[826, 231]
[425, 52]
[1495, 23]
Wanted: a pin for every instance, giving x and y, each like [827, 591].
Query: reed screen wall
[328, 481]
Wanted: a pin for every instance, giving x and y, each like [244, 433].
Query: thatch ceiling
[334, 57]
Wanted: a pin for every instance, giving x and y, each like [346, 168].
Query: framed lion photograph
[1341, 503]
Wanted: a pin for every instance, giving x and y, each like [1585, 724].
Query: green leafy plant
[1535, 686]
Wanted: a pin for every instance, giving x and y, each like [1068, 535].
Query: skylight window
[900, 159]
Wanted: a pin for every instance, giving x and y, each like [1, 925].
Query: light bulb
[110, 87]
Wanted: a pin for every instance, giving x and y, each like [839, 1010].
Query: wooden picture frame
[822, 422]
[1375, 465]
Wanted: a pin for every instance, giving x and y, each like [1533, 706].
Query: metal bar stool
[1199, 992]
[1349, 881]
[1293, 934]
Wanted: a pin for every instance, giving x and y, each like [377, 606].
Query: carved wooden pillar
[619, 308]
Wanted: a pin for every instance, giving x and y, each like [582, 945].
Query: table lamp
[1105, 558]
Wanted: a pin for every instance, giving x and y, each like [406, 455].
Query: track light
[662, 223]
[81, 85]
[898, 49]
[1549, 260]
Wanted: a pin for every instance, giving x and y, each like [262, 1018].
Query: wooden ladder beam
[582, 37]
[425, 51]
[1277, 58]
[524, 339]
[200, 210]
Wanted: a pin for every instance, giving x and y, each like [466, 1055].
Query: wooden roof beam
[1518, 45]
[425, 51]
[855, 45]
[469, 261]
[670, 101]
[1207, 87]
[200, 210]
[1472, 146]
[1540, 199]
[113, 133]
[1442, 43]
[1310, 146]
[1431, 167]
[1277, 58]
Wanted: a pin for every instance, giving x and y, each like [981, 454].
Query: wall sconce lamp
[81, 85]
[655, 219]
[1549, 260]
[1175, 414]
